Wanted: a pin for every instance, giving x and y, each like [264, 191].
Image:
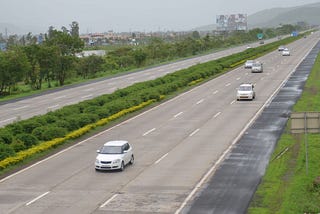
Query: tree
[89, 66]
[195, 35]
[13, 66]
[74, 29]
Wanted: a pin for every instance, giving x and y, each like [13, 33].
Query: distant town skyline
[125, 15]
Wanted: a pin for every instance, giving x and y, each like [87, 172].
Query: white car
[257, 67]
[281, 48]
[114, 155]
[246, 92]
[286, 52]
[248, 63]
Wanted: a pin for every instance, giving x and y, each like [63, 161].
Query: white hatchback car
[248, 64]
[286, 52]
[246, 92]
[114, 155]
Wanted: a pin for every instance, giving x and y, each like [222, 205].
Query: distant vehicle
[248, 64]
[261, 42]
[114, 155]
[246, 92]
[286, 52]
[248, 47]
[257, 67]
[281, 48]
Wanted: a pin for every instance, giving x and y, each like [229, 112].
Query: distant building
[233, 22]
[90, 53]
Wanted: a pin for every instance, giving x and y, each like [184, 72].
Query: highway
[22, 109]
[175, 144]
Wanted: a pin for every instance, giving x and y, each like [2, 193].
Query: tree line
[53, 61]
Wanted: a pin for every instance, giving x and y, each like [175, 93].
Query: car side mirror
[98, 151]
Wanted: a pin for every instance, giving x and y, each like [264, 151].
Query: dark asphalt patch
[235, 181]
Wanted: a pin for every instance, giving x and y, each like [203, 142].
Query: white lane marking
[200, 101]
[12, 118]
[238, 78]
[37, 198]
[55, 106]
[246, 73]
[217, 114]
[213, 168]
[233, 101]
[88, 89]
[215, 92]
[160, 159]
[148, 132]
[228, 84]
[109, 200]
[177, 115]
[56, 98]
[22, 107]
[262, 78]
[89, 95]
[194, 132]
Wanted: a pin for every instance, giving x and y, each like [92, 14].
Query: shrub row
[74, 119]
[22, 155]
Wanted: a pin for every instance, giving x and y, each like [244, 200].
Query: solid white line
[160, 159]
[37, 198]
[228, 84]
[217, 114]
[89, 95]
[215, 92]
[148, 132]
[232, 102]
[177, 115]
[194, 132]
[22, 107]
[60, 97]
[109, 200]
[238, 78]
[12, 118]
[200, 101]
[213, 168]
[55, 106]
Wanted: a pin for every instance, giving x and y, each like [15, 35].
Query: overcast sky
[128, 15]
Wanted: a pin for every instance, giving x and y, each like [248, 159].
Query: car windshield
[245, 88]
[250, 61]
[256, 65]
[111, 150]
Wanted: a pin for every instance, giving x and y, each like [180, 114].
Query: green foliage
[5, 151]
[5, 136]
[28, 139]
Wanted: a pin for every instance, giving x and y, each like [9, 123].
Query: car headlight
[116, 161]
[97, 161]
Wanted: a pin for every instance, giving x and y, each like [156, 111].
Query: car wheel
[132, 160]
[122, 166]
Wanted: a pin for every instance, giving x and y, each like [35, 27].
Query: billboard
[232, 22]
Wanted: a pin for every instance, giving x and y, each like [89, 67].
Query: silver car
[114, 155]
[246, 92]
[257, 67]
[248, 63]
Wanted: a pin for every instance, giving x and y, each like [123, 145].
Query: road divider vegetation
[25, 138]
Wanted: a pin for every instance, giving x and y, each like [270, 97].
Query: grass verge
[286, 187]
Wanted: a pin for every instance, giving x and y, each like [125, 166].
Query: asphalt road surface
[22, 109]
[176, 144]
